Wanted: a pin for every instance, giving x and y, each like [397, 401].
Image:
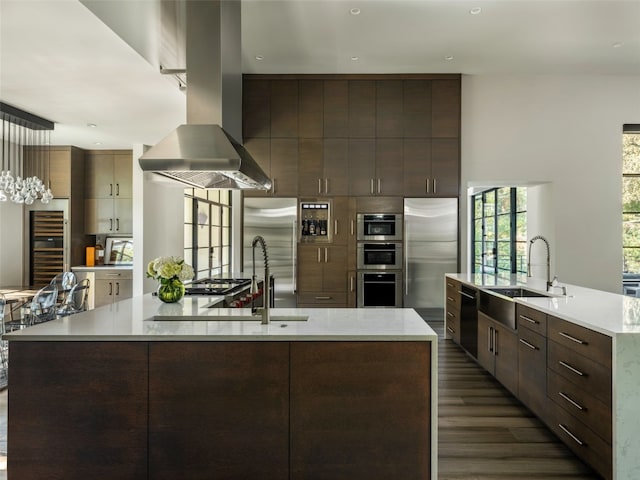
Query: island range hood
[202, 153]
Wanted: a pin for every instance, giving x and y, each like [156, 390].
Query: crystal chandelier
[24, 136]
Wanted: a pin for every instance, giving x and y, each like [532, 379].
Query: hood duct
[201, 153]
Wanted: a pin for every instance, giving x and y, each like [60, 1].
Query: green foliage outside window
[631, 202]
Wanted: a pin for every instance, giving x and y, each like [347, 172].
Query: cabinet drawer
[532, 319]
[452, 298]
[532, 371]
[112, 274]
[322, 298]
[584, 443]
[581, 371]
[582, 405]
[452, 286]
[593, 345]
[452, 325]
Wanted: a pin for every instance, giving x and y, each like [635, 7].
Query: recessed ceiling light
[617, 45]
[354, 11]
[355, 59]
[97, 143]
[448, 57]
[475, 11]
[91, 125]
[259, 57]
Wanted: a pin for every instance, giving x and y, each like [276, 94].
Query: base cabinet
[498, 351]
[231, 410]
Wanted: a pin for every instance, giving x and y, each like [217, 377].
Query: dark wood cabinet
[532, 371]
[323, 166]
[310, 109]
[498, 351]
[445, 108]
[362, 108]
[431, 167]
[256, 108]
[360, 410]
[322, 275]
[336, 109]
[416, 109]
[278, 158]
[389, 109]
[218, 409]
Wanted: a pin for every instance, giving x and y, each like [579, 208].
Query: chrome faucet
[546, 242]
[266, 289]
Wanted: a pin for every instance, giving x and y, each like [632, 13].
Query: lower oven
[379, 289]
[379, 256]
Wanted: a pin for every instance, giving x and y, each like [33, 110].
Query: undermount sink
[517, 292]
[229, 318]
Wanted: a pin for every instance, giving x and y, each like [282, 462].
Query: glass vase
[171, 290]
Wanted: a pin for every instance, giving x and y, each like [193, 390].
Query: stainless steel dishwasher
[469, 320]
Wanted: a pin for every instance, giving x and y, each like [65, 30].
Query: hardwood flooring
[486, 433]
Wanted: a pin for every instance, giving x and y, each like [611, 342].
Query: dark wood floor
[486, 433]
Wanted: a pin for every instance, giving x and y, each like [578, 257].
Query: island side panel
[219, 410]
[360, 410]
[77, 410]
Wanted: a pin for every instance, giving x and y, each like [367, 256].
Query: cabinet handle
[111, 224]
[112, 274]
[450, 314]
[450, 330]
[450, 299]
[326, 255]
[273, 186]
[466, 295]
[435, 188]
[318, 255]
[495, 342]
[335, 227]
[531, 320]
[573, 339]
[371, 187]
[490, 339]
[117, 189]
[319, 185]
[532, 347]
[110, 288]
[111, 189]
[566, 430]
[379, 182]
[117, 224]
[351, 283]
[326, 185]
[117, 288]
[449, 284]
[323, 298]
[571, 401]
[426, 184]
[569, 367]
[352, 227]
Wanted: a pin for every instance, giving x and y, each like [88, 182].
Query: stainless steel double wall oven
[379, 260]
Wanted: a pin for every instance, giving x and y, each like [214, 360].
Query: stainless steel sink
[229, 318]
[512, 292]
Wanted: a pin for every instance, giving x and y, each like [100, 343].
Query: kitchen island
[141, 389]
[573, 359]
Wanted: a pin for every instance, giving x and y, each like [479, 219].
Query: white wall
[158, 222]
[565, 131]
[11, 243]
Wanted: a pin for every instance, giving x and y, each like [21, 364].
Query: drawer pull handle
[574, 370]
[466, 295]
[323, 298]
[529, 319]
[450, 314]
[449, 284]
[573, 339]
[532, 347]
[450, 299]
[571, 401]
[576, 439]
[451, 330]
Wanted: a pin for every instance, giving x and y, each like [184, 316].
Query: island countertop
[146, 318]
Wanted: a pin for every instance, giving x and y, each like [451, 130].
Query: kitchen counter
[616, 316]
[133, 320]
[608, 313]
[84, 268]
[160, 389]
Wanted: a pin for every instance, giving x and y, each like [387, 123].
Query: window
[499, 231]
[207, 231]
[631, 208]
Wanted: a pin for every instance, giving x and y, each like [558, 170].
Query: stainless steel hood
[202, 153]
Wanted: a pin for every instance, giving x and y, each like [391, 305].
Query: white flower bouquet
[169, 268]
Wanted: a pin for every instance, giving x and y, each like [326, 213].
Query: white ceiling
[59, 61]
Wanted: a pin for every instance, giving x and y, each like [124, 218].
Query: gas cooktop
[215, 286]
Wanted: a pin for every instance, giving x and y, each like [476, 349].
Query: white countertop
[133, 320]
[82, 268]
[608, 313]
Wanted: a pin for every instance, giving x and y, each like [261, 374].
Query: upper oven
[379, 226]
[379, 256]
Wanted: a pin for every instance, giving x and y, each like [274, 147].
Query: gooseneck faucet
[546, 242]
[266, 296]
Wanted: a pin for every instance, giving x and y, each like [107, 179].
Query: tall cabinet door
[310, 258]
[362, 169]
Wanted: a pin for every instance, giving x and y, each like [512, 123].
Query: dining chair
[4, 344]
[64, 282]
[43, 305]
[76, 300]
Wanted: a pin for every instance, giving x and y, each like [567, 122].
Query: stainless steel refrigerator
[276, 220]
[430, 249]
